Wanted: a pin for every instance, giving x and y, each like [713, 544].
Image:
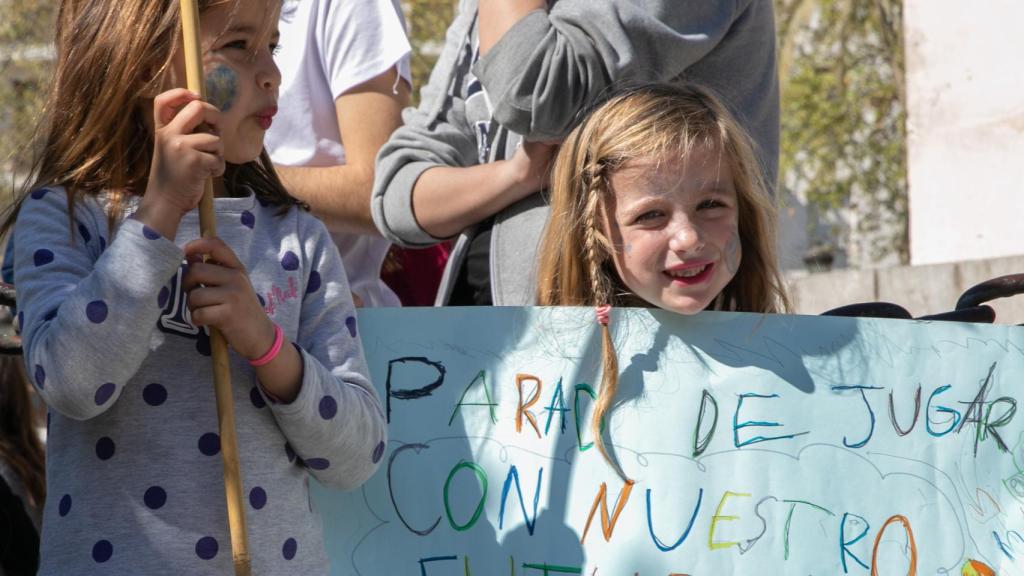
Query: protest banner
[751, 445]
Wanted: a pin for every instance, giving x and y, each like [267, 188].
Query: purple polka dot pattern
[256, 399]
[155, 497]
[350, 323]
[378, 452]
[161, 298]
[103, 393]
[207, 547]
[40, 377]
[258, 498]
[96, 311]
[314, 282]
[289, 549]
[102, 551]
[248, 219]
[64, 508]
[318, 463]
[289, 452]
[42, 257]
[38, 194]
[105, 448]
[84, 233]
[290, 261]
[328, 407]
[209, 444]
[154, 394]
[149, 233]
[50, 315]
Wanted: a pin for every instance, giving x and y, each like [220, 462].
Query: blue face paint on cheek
[732, 253]
[221, 87]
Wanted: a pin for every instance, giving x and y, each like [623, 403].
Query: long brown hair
[93, 137]
[576, 267]
[20, 446]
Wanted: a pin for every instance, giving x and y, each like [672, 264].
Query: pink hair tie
[274, 349]
[603, 313]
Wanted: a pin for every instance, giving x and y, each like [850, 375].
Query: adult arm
[551, 64]
[448, 200]
[367, 115]
[429, 185]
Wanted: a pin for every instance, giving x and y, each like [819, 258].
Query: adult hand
[530, 167]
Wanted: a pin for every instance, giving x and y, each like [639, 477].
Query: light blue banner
[754, 445]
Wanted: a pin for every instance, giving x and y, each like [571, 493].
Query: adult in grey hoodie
[469, 160]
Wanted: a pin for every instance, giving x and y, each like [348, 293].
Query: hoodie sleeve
[553, 64]
[434, 134]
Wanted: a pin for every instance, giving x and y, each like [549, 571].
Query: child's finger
[194, 114]
[167, 104]
[203, 164]
[207, 274]
[210, 315]
[204, 296]
[204, 142]
[216, 249]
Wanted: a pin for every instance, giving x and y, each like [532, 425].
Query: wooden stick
[218, 346]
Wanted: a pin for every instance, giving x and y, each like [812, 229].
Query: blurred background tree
[26, 33]
[844, 124]
[843, 155]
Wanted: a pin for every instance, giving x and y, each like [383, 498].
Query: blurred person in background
[344, 81]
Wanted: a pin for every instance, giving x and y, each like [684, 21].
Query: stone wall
[920, 289]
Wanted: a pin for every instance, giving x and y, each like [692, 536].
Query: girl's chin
[685, 306]
[242, 157]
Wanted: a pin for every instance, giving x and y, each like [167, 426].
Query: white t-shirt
[327, 48]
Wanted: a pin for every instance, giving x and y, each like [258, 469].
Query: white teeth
[688, 273]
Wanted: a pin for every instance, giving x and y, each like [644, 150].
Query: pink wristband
[274, 349]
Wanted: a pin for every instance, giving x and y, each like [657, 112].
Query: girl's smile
[677, 217]
[690, 274]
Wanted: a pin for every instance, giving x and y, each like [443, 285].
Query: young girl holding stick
[657, 199]
[114, 326]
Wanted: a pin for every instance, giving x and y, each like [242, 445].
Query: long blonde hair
[93, 137]
[576, 267]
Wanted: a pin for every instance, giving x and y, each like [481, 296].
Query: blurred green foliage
[26, 30]
[844, 120]
[427, 21]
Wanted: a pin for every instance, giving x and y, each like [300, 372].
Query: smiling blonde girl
[657, 199]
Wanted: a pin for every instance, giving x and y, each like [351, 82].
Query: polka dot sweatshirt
[134, 473]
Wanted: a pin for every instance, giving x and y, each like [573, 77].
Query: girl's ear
[150, 90]
[156, 83]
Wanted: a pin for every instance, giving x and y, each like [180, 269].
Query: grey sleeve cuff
[393, 212]
[502, 68]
